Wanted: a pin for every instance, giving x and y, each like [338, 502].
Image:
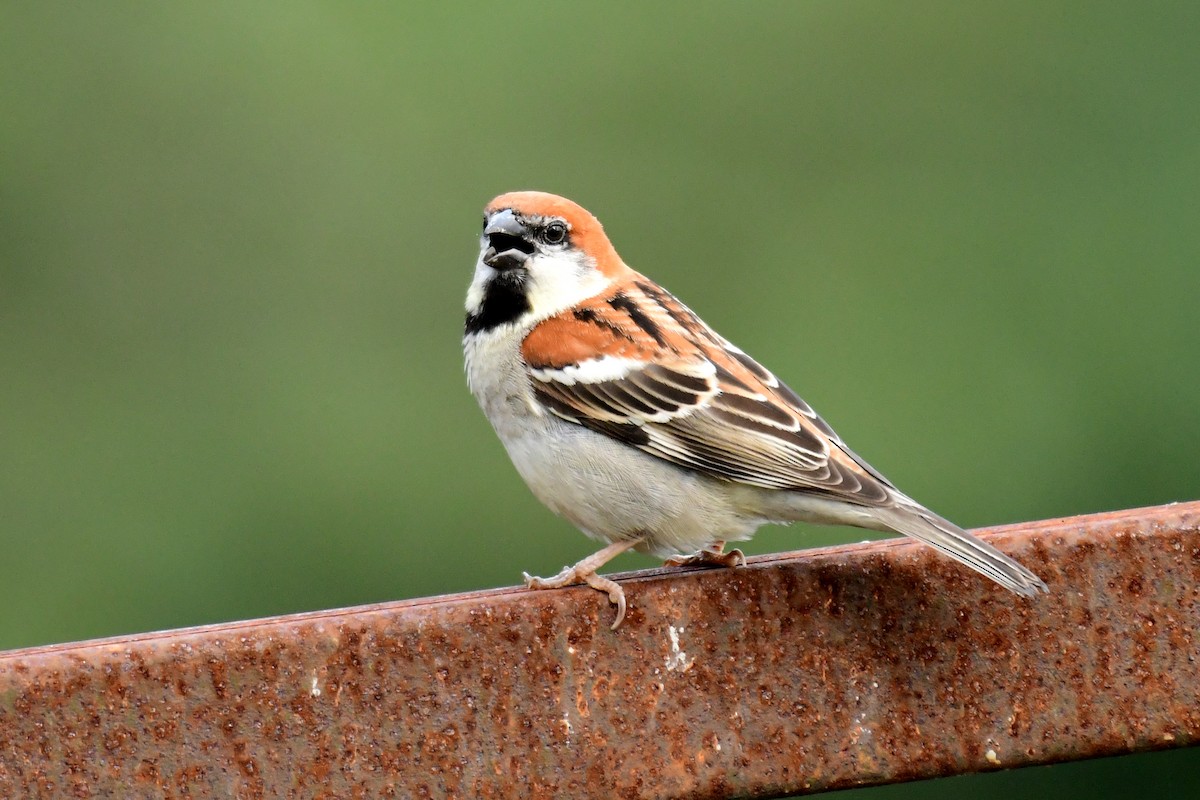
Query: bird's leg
[712, 556]
[585, 572]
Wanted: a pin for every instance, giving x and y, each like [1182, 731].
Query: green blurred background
[235, 239]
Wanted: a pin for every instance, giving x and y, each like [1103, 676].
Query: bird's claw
[585, 572]
[571, 576]
[616, 595]
[709, 558]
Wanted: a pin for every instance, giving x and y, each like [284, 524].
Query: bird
[630, 417]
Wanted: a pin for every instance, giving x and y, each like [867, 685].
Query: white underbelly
[612, 491]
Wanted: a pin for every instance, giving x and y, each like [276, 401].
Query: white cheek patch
[554, 283]
[559, 281]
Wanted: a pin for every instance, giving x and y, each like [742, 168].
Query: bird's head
[539, 254]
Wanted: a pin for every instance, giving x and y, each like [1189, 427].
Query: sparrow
[634, 420]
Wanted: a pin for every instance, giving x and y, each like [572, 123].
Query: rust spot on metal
[799, 672]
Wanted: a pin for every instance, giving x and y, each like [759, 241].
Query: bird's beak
[509, 242]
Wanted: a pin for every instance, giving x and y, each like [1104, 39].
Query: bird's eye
[555, 233]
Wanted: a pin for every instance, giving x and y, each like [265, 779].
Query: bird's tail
[912, 519]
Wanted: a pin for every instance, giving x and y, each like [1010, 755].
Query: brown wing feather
[706, 406]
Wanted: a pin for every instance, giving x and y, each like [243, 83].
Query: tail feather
[912, 519]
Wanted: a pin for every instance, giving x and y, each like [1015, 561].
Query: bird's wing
[637, 365]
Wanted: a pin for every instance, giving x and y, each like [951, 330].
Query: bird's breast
[497, 378]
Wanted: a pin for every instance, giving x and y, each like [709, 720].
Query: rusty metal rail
[829, 668]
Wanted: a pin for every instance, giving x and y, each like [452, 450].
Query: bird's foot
[585, 572]
[711, 556]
